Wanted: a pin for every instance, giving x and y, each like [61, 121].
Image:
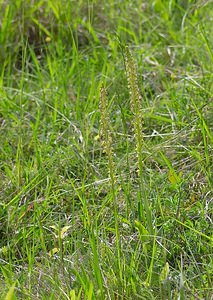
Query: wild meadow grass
[106, 150]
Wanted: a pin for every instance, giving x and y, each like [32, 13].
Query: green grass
[106, 151]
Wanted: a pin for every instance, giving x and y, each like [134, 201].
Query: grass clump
[106, 193]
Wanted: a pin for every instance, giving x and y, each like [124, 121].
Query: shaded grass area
[77, 200]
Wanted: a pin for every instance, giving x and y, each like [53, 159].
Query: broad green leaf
[11, 295]
[143, 231]
[72, 295]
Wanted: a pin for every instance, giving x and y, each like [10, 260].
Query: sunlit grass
[106, 195]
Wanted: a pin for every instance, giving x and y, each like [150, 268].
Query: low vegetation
[106, 149]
